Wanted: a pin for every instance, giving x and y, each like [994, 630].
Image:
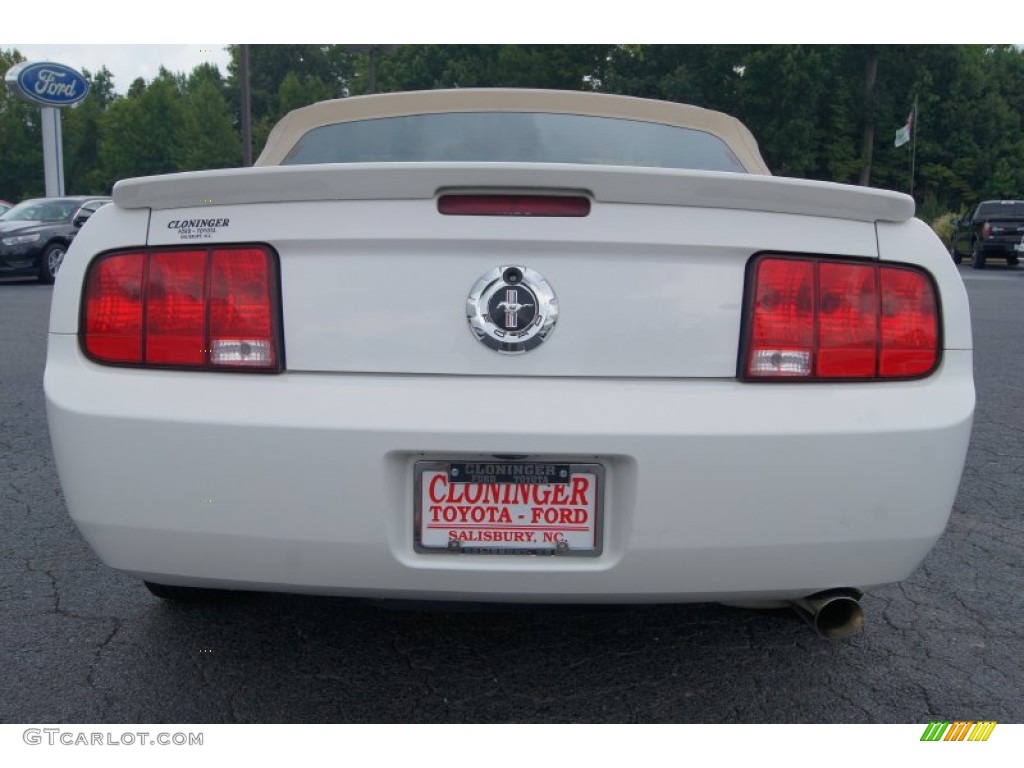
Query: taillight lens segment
[828, 319]
[176, 308]
[210, 308]
[113, 308]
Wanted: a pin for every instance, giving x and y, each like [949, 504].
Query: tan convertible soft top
[297, 123]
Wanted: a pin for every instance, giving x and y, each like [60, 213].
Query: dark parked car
[35, 234]
[993, 229]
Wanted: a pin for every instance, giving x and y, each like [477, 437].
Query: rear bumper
[1007, 248]
[19, 262]
[715, 490]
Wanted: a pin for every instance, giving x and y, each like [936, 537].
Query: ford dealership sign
[47, 84]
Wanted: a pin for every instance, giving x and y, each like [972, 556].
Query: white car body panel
[303, 482]
[714, 488]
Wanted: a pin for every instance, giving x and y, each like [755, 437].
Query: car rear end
[754, 388]
[1001, 233]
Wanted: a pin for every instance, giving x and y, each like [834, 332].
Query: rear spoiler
[424, 181]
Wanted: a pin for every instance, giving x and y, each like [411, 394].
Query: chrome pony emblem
[512, 309]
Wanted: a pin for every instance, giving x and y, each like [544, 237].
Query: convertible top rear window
[514, 137]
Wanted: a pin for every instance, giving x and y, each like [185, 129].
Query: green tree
[422, 67]
[81, 130]
[296, 91]
[322, 68]
[21, 141]
[209, 138]
[784, 98]
[705, 75]
[143, 134]
[968, 142]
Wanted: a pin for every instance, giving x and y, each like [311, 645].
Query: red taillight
[513, 205]
[195, 308]
[824, 319]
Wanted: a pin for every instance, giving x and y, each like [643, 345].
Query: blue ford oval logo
[49, 84]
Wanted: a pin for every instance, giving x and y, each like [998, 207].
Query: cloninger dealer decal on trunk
[197, 229]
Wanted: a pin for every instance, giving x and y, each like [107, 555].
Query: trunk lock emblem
[512, 309]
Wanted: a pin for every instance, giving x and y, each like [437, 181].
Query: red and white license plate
[508, 507]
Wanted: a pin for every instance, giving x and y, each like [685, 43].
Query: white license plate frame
[509, 517]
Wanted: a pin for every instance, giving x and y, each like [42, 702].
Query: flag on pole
[903, 134]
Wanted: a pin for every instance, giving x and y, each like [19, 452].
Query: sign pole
[913, 144]
[51, 87]
[53, 152]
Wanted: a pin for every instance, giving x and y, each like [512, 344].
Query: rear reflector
[826, 319]
[213, 308]
[513, 205]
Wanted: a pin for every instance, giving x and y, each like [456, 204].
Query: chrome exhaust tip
[835, 614]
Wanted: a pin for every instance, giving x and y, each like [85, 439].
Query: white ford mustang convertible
[511, 345]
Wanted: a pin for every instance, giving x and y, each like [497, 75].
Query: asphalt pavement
[82, 643]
